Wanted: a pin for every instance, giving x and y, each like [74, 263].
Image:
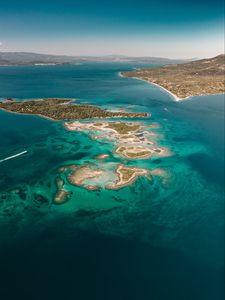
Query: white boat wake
[13, 156]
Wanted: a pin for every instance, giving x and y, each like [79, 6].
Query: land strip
[64, 109]
[201, 77]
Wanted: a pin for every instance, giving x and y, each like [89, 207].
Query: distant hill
[201, 77]
[26, 58]
[209, 66]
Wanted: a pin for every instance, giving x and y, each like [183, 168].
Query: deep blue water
[142, 242]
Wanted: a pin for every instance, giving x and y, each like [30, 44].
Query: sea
[146, 241]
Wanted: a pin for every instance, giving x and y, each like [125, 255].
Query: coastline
[24, 114]
[66, 112]
[176, 98]
[121, 75]
[55, 120]
[121, 182]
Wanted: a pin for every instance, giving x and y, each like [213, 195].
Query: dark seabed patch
[85, 266]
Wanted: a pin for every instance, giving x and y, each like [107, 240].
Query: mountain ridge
[32, 58]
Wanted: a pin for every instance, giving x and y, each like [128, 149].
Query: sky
[162, 28]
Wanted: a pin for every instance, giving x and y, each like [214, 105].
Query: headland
[196, 78]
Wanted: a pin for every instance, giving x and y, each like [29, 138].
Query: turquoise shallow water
[146, 241]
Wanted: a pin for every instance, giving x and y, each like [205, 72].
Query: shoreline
[132, 143]
[176, 98]
[34, 115]
[67, 112]
[65, 120]
[121, 182]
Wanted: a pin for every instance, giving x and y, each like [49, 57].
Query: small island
[61, 195]
[81, 174]
[200, 77]
[102, 156]
[132, 140]
[91, 177]
[127, 176]
[64, 109]
[134, 151]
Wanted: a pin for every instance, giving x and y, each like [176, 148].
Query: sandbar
[78, 176]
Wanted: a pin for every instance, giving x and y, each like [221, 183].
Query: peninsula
[64, 109]
[201, 77]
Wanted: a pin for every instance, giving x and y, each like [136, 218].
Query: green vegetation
[131, 152]
[126, 173]
[62, 109]
[121, 149]
[137, 154]
[199, 77]
[98, 124]
[123, 128]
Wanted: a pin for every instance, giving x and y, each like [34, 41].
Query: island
[132, 140]
[127, 176]
[91, 177]
[200, 77]
[61, 195]
[80, 175]
[64, 109]
[102, 156]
